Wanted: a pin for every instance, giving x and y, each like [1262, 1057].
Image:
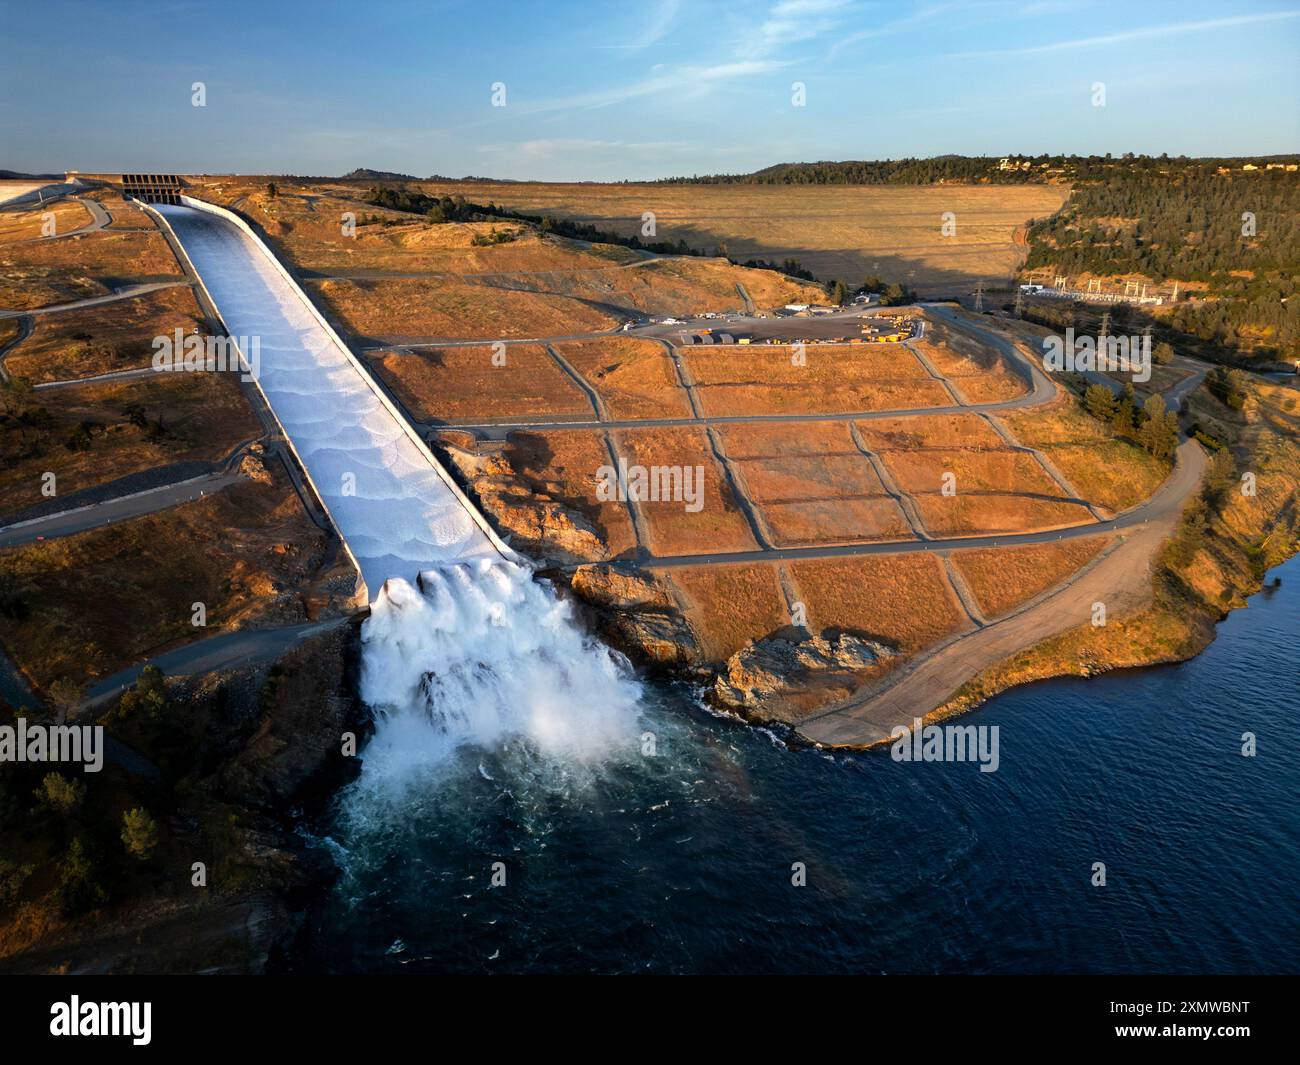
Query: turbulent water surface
[506, 736]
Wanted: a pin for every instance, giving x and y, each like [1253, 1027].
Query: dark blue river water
[682, 862]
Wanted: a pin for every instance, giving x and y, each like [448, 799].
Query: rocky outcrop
[636, 612]
[537, 522]
[782, 675]
[253, 465]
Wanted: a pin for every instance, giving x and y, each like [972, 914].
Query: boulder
[775, 676]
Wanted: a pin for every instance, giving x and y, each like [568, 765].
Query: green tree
[1163, 354]
[1099, 402]
[271, 190]
[61, 794]
[77, 888]
[139, 833]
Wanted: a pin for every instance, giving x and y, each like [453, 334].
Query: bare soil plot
[836, 231]
[440, 308]
[463, 384]
[719, 524]
[95, 602]
[974, 514]
[564, 465]
[1009, 471]
[929, 430]
[44, 272]
[1104, 469]
[729, 606]
[87, 437]
[836, 521]
[801, 438]
[68, 215]
[103, 338]
[1002, 578]
[903, 600]
[748, 380]
[635, 378]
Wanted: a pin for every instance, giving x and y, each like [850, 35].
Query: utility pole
[1020, 303]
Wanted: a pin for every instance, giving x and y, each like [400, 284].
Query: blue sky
[612, 90]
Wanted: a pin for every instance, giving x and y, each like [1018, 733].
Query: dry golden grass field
[718, 525]
[834, 231]
[635, 378]
[1109, 471]
[105, 598]
[929, 430]
[464, 384]
[791, 478]
[835, 521]
[304, 222]
[68, 215]
[772, 380]
[922, 472]
[1003, 578]
[414, 307]
[43, 272]
[563, 465]
[203, 416]
[976, 513]
[904, 600]
[728, 605]
[800, 438]
[103, 338]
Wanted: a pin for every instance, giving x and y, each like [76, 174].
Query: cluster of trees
[958, 169]
[947, 168]
[1151, 426]
[791, 267]
[1237, 234]
[457, 209]
[1228, 386]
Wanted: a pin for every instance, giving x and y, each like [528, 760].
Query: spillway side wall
[362, 591]
[234, 219]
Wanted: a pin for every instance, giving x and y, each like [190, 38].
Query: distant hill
[961, 169]
[14, 175]
[365, 174]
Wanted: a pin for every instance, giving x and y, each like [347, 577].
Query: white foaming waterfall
[482, 655]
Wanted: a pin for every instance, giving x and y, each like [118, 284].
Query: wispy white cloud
[1127, 36]
[563, 147]
[659, 22]
[677, 79]
[792, 22]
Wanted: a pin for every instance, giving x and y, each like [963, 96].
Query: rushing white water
[481, 655]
